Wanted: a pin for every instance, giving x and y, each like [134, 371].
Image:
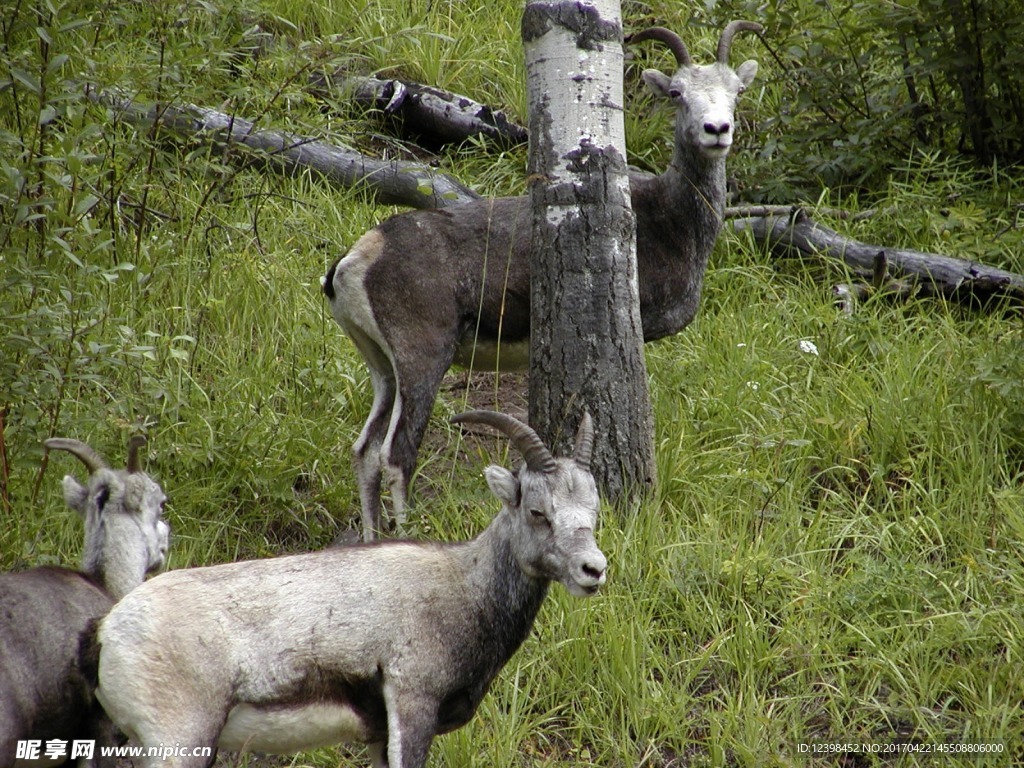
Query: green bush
[857, 87]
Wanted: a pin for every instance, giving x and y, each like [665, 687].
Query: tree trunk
[586, 340]
[969, 65]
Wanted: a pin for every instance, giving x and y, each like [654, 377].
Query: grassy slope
[833, 551]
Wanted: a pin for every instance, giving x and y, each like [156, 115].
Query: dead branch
[900, 269]
[390, 181]
[745, 211]
[431, 116]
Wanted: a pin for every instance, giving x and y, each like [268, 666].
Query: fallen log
[430, 116]
[898, 270]
[391, 182]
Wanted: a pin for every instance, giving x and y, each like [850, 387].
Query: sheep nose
[594, 568]
[717, 129]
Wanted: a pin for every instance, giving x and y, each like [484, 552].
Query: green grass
[833, 549]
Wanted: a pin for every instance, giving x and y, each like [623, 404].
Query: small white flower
[753, 385]
[808, 347]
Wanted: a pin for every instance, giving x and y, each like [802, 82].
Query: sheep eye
[538, 516]
[675, 93]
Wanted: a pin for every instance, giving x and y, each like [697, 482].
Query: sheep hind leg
[413, 405]
[367, 456]
[366, 452]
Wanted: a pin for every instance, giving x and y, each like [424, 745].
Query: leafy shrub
[860, 86]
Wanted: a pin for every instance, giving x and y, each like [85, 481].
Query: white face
[705, 97]
[143, 499]
[123, 514]
[156, 530]
[558, 512]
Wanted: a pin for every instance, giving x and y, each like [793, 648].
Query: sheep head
[704, 94]
[126, 536]
[553, 504]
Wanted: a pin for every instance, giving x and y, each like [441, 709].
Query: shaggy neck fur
[482, 631]
[111, 555]
[696, 184]
[679, 215]
[509, 599]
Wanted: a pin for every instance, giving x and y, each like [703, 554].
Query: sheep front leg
[412, 719]
[105, 735]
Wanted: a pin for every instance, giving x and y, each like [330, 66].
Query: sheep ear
[503, 484]
[747, 71]
[658, 82]
[76, 495]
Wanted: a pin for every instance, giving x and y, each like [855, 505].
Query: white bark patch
[579, 94]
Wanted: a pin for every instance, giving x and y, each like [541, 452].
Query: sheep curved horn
[669, 38]
[92, 460]
[584, 442]
[537, 456]
[725, 41]
[137, 442]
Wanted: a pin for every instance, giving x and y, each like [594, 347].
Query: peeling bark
[586, 340]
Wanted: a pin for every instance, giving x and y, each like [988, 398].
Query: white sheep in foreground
[386, 644]
[428, 289]
[47, 613]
